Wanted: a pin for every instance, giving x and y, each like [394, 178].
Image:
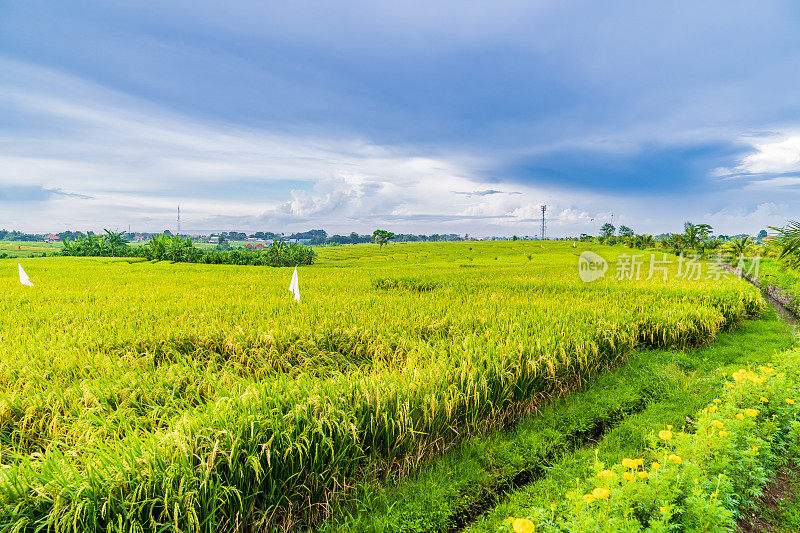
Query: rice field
[138, 396]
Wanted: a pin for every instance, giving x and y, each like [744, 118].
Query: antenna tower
[179, 220]
[544, 208]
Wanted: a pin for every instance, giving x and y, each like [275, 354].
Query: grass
[27, 248]
[774, 272]
[198, 397]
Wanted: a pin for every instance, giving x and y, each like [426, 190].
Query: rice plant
[193, 397]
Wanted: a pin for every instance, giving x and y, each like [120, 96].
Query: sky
[414, 116]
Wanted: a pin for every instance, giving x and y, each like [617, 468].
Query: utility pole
[544, 208]
[179, 221]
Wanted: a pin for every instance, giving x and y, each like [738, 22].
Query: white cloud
[772, 157]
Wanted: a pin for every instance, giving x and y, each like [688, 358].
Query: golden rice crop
[201, 396]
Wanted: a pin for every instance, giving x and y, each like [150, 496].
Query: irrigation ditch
[787, 307]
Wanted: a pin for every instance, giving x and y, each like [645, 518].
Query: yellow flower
[723, 433]
[638, 462]
[712, 409]
[588, 498]
[669, 426]
[717, 424]
[644, 475]
[656, 465]
[608, 474]
[629, 463]
[523, 525]
[764, 400]
[552, 507]
[629, 477]
[755, 448]
[790, 401]
[662, 509]
[665, 434]
[674, 459]
[740, 416]
[752, 413]
[511, 519]
[717, 400]
[600, 493]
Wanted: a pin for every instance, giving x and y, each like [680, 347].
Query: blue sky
[428, 117]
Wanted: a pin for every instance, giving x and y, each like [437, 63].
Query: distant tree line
[6, 235]
[183, 249]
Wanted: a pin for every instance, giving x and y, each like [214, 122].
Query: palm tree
[675, 242]
[788, 239]
[739, 247]
[692, 234]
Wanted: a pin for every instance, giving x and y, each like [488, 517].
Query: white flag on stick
[294, 286]
[23, 277]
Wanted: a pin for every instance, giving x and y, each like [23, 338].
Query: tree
[114, 241]
[691, 235]
[644, 241]
[381, 237]
[608, 229]
[739, 247]
[625, 231]
[705, 230]
[789, 240]
[761, 235]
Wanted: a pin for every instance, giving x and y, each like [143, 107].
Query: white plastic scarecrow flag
[294, 286]
[23, 277]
